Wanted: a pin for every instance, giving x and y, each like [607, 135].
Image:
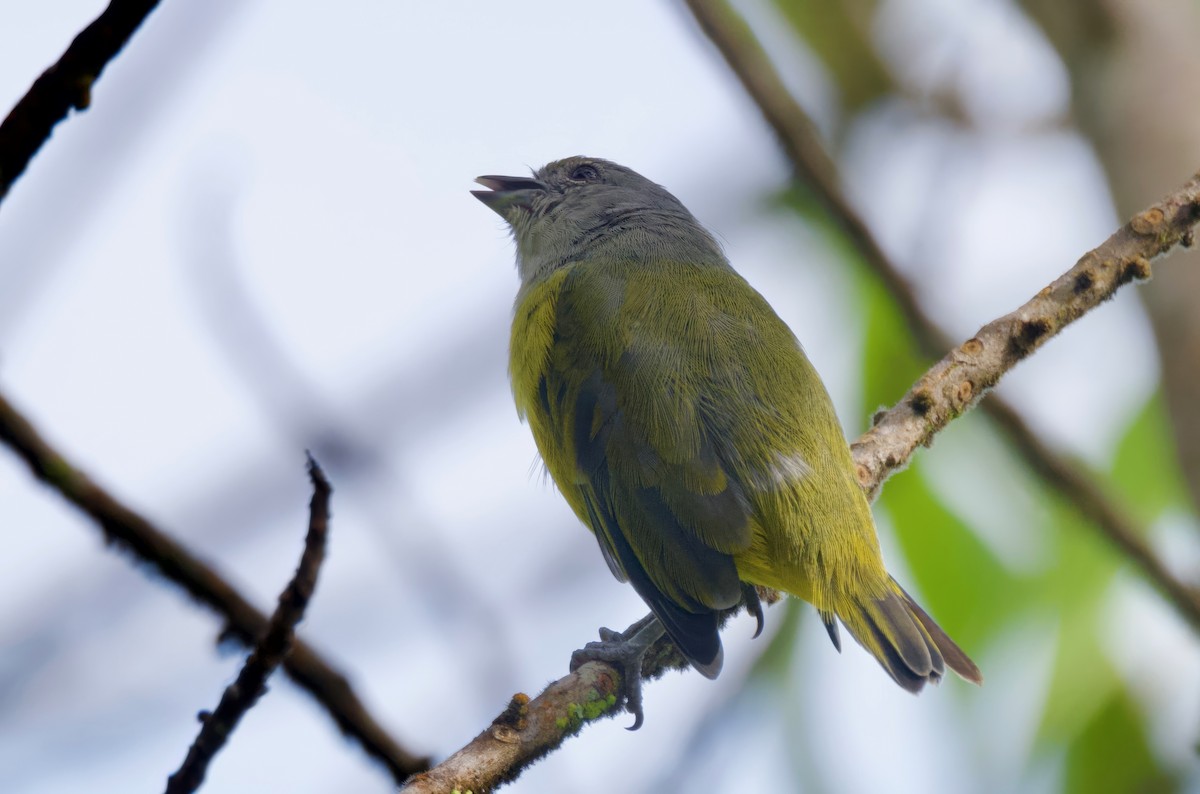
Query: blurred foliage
[1091, 728]
[839, 35]
[1112, 754]
[1088, 712]
[953, 568]
[1144, 470]
[1088, 717]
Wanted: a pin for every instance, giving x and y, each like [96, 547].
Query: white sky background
[259, 239]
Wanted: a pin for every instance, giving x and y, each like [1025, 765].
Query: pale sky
[260, 238]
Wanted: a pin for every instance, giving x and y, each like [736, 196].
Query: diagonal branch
[955, 384]
[524, 732]
[65, 85]
[811, 164]
[240, 696]
[1090, 282]
[173, 560]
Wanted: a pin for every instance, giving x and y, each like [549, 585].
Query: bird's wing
[645, 451]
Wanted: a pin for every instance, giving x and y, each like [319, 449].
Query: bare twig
[65, 85]
[240, 696]
[128, 529]
[813, 166]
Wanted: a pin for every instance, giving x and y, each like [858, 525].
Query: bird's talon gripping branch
[625, 650]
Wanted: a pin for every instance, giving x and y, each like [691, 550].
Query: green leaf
[890, 363]
[1145, 469]
[1075, 586]
[968, 590]
[1112, 754]
[840, 35]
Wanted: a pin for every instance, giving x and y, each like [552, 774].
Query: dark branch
[251, 682]
[65, 85]
[174, 561]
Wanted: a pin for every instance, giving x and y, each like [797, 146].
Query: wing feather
[646, 468]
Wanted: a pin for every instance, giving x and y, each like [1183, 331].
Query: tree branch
[128, 529]
[956, 382]
[65, 85]
[524, 732]
[1115, 263]
[240, 696]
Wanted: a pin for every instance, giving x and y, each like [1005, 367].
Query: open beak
[506, 192]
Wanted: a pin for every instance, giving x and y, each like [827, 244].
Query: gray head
[585, 208]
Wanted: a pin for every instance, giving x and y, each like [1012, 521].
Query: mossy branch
[524, 732]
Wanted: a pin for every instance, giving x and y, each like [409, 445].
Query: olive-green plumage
[683, 423]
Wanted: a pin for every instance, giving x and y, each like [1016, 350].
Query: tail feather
[906, 641]
[956, 659]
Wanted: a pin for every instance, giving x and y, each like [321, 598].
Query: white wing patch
[784, 469]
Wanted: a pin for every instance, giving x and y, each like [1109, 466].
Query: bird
[683, 423]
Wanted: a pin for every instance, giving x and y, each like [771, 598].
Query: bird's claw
[608, 635]
[615, 648]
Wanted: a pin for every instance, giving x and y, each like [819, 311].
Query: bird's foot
[625, 650]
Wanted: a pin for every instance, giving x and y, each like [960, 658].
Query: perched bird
[683, 423]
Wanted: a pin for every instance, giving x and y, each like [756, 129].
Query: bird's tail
[910, 646]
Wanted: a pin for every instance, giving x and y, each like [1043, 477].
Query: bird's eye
[585, 173]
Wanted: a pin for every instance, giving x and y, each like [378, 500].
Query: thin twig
[813, 166]
[128, 529]
[65, 85]
[240, 696]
